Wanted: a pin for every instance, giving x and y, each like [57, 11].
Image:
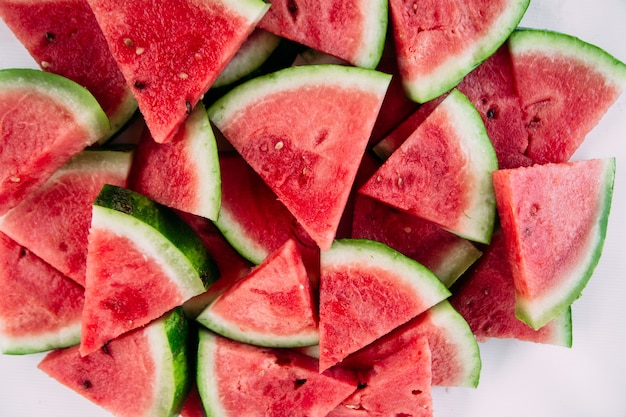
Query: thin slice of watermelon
[273, 306]
[170, 54]
[554, 220]
[184, 173]
[437, 46]
[46, 119]
[144, 373]
[237, 379]
[40, 309]
[368, 289]
[353, 30]
[565, 86]
[64, 38]
[142, 261]
[304, 130]
[442, 172]
[53, 221]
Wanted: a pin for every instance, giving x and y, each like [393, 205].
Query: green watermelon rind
[375, 32]
[81, 104]
[538, 311]
[159, 231]
[551, 43]
[563, 329]
[25, 345]
[458, 258]
[238, 237]
[206, 377]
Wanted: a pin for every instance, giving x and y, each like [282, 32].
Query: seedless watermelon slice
[46, 119]
[144, 373]
[304, 130]
[142, 261]
[554, 220]
[565, 86]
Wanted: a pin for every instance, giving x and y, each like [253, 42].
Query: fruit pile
[244, 208]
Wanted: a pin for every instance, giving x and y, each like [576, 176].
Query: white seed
[45, 64]
[183, 75]
[279, 145]
[16, 179]
[140, 50]
[407, 229]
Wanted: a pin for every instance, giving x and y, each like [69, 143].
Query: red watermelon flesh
[170, 54]
[64, 38]
[40, 309]
[53, 221]
[485, 297]
[192, 407]
[398, 385]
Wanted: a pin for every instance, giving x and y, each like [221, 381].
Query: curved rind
[68, 336]
[237, 236]
[206, 376]
[375, 32]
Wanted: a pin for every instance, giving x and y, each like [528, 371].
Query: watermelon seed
[139, 50]
[105, 348]
[86, 384]
[140, 85]
[50, 37]
[299, 382]
[188, 106]
[292, 7]
[23, 252]
[15, 179]
[183, 75]
[128, 42]
[279, 145]
[45, 64]
[416, 392]
[361, 385]
[491, 114]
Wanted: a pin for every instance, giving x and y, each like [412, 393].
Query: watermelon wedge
[565, 86]
[554, 220]
[46, 119]
[366, 290]
[442, 172]
[289, 127]
[437, 46]
[64, 38]
[40, 309]
[142, 261]
[53, 221]
[272, 306]
[144, 373]
[170, 54]
[184, 173]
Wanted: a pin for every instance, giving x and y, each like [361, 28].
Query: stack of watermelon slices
[330, 306]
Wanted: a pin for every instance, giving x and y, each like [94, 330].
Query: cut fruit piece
[237, 379]
[554, 220]
[455, 352]
[565, 86]
[170, 54]
[184, 173]
[485, 297]
[40, 309]
[64, 38]
[438, 44]
[353, 30]
[442, 172]
[46, 119]
[304, 130]
[366, 290]
[272, 306]
[144, 373]
[53, 221]
[142, 261]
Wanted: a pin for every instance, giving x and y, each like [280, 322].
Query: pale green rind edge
[85, 109]
[121, 116]
[457, 260]
[237, 236]
[536, 313]
[426, 88]
[206, 378]
[376, 16]
[60, 338]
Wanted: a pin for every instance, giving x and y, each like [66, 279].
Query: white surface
[518, 379]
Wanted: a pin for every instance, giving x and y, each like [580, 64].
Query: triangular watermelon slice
[554, 220]
[170, 53]
[272, 306]
[436, 48]
[442, 172]
[304, 130]
[142, 261]
[565, 86]
[368, 289]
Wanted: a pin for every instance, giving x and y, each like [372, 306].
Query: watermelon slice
[485, 297]
[170, 54]
[53, 221]
[565, 86]
[64, 38]
[142, 261]
[40, 309]
[144, 373]
[237, 379]
[184, 173]
[353, 30]
[46, 119]
[290, 127]
[437, 45]
[442, 172]
[554, 220]
[272, 306]
[366, 290]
